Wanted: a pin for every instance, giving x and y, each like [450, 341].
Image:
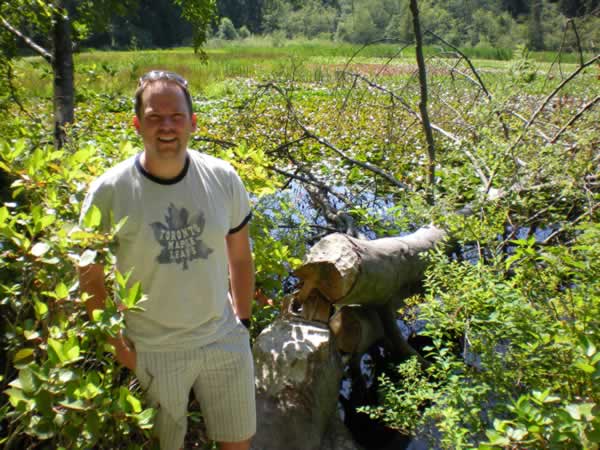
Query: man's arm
[92, 282]
[241, 272]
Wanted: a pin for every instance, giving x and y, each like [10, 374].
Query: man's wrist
[246, 322]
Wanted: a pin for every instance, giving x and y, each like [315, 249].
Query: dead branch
[571, 121]
[458, 141]
[221, 142]
[538, 111]
[551, 96]
[476, 73]
[467, 60]
[414, 9]
[570, 224]
[537, 131]
[577, 40]
[365, 165]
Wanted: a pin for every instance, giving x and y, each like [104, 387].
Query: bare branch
[538, 111]
[550, 96]
[28, 41]
[13, 91]
[566, 226]
[221, 142]
[329, 145]
[467, 60]
[364, 165]
[447, 134]
[414, 9]
[578, 41]
[579, 113]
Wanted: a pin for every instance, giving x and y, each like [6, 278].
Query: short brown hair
[161, 75]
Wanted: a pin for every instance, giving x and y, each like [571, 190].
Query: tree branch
[550, 97]
[221, 142]
[579, 113]
[326, 143]
[28, 41]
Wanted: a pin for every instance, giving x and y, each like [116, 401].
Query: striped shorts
[222, 377]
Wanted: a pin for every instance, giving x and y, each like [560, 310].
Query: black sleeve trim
[241, 225]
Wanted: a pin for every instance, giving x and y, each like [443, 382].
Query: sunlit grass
[258, 58]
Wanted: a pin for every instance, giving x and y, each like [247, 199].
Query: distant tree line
[537, 24]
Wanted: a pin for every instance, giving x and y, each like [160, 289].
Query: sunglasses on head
[155, 75]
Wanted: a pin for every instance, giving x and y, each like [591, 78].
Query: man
[186, 240]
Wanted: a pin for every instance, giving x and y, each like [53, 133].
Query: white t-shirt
[174, 243]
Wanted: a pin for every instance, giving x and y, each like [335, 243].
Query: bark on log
[356, 328]
[347, 270]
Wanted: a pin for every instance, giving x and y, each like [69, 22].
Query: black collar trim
[165, 181]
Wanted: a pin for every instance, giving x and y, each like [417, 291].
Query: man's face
[165, 122]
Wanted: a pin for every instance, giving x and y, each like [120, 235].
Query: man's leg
[225, 389]
[242, 445]
[166, 389]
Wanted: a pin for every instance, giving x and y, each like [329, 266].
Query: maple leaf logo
[179, 237]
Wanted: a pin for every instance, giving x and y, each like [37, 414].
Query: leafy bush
[515, 362]
[64, 387]
[227, 30]
[244, 32]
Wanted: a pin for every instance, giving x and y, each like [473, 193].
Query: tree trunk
[414, 9]
[62, 66]
[347, 270]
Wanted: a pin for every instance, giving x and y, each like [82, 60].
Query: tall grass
[260, 58]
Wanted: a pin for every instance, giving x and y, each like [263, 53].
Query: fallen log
[355, 328]
[346, 270]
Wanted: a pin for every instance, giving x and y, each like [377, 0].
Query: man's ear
[194, 122]
[136, 123]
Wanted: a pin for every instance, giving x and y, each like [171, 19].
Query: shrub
[64, 387]
[244, 32]
[227, 30]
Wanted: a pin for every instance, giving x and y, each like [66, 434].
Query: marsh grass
[258, 58]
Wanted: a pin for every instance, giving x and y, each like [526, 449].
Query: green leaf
[27, 380]
[88, 257]
[135, 403]
[144, 419]
[4, 215]
[41, 309]
[16, 396]
[61, 291]
[66, 375]
[583, 365]
[39, 249]
[22, 355]
[92, 218]
[57, 348]
[497, 439]
[76, 405]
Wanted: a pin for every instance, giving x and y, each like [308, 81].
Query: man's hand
[124, 352]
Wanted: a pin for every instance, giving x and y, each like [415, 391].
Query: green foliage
[519, 320]
[63, 386]
[244, 32]
[226, 30]
[514, 351]
[522, 69]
